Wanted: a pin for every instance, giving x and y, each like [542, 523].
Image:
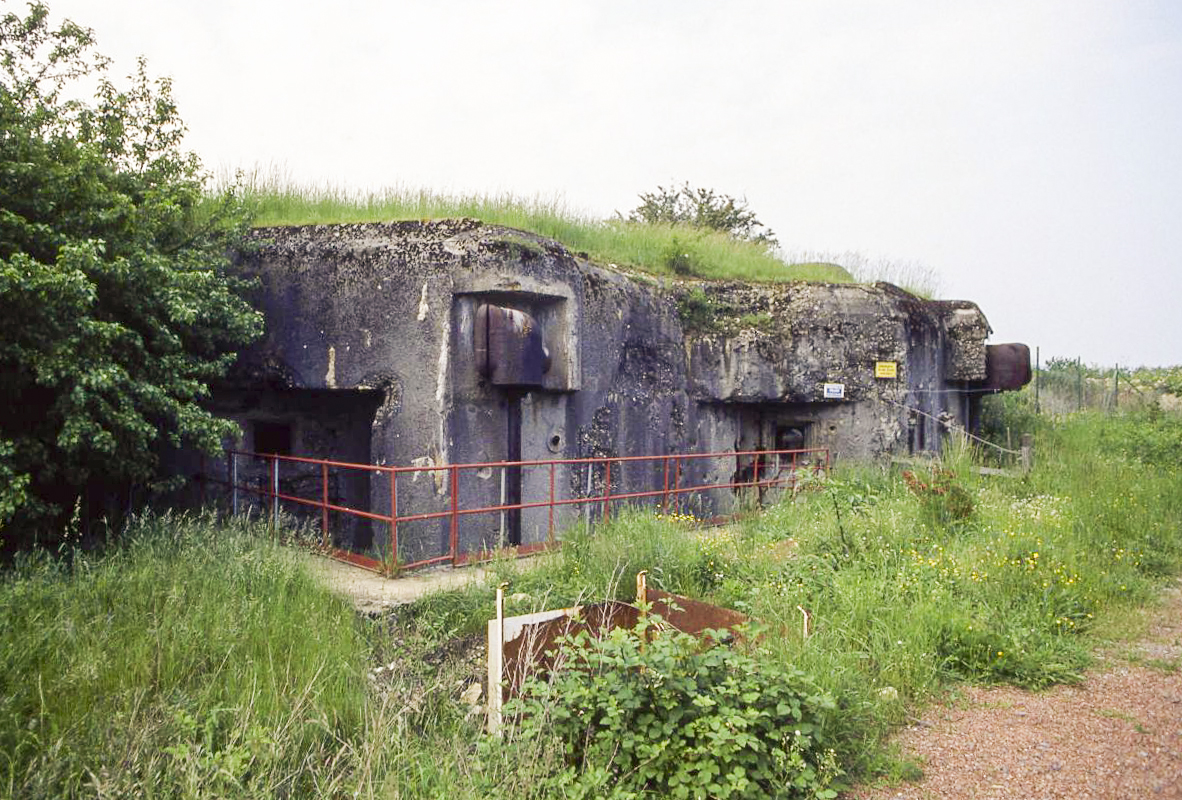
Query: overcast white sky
[1029, 151]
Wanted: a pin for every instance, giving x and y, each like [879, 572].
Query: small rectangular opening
[272, 438]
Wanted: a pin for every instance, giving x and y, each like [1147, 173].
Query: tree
[117, 308]
[702, 208]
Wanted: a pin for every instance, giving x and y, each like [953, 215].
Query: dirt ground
[1116, 736]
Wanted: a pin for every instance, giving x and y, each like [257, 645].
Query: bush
[674, 717]
[944, 501]
[118, 307]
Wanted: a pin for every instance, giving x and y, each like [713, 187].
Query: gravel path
[1116, 736]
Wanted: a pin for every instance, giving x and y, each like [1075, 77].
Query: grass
[195, 659]
[914, 276]
[190, 657]
[663, 250]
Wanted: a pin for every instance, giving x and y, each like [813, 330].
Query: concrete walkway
[372, 593]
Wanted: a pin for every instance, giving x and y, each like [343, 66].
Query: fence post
[1079, 383]
[274, 493]
[455, 513]
[496, 663]
[324, 505]
[1116, 386]
[665, 490]
[394, 519]
[501, 535]
[587, 500]
[607, 490]
[1027, 457]
[550, 530]
[676, 485]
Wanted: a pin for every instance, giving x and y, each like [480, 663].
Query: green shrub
[1150, 436]
[698, 311]
[634, 716]
[944, 500]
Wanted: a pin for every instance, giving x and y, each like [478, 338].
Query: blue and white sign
[835, 391]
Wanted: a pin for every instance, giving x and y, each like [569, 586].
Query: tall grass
[194, 659]
[666, 250]
[197, 659]
[914, 276]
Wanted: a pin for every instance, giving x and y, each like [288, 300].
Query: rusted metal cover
[531, 652]
[508, 346]
[693, 616]
[1007, 366]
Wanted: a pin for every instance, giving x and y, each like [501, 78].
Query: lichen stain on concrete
[423, 307]
[330, 377]
[423, 463]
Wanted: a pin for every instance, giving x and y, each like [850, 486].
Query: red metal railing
[780, 468]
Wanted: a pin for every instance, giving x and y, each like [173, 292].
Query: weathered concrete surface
[382, 315]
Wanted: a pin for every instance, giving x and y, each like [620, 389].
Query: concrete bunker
[429, 344]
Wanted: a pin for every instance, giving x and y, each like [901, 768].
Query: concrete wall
[385, 314]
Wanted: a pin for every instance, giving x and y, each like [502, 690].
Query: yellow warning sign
[886, 369]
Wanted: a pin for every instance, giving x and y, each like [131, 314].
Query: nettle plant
[634, 714]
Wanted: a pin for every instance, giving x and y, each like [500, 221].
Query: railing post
[233, 483]
[665, 489]
[324, 505]
[587, 500]
[677, 485]
[607, 490]
[394, 518]
[274, 493]
[501, 535]
[455, 513]
[550, 529]
[201, 478]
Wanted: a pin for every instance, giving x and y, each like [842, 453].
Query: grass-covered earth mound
[658, 249]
